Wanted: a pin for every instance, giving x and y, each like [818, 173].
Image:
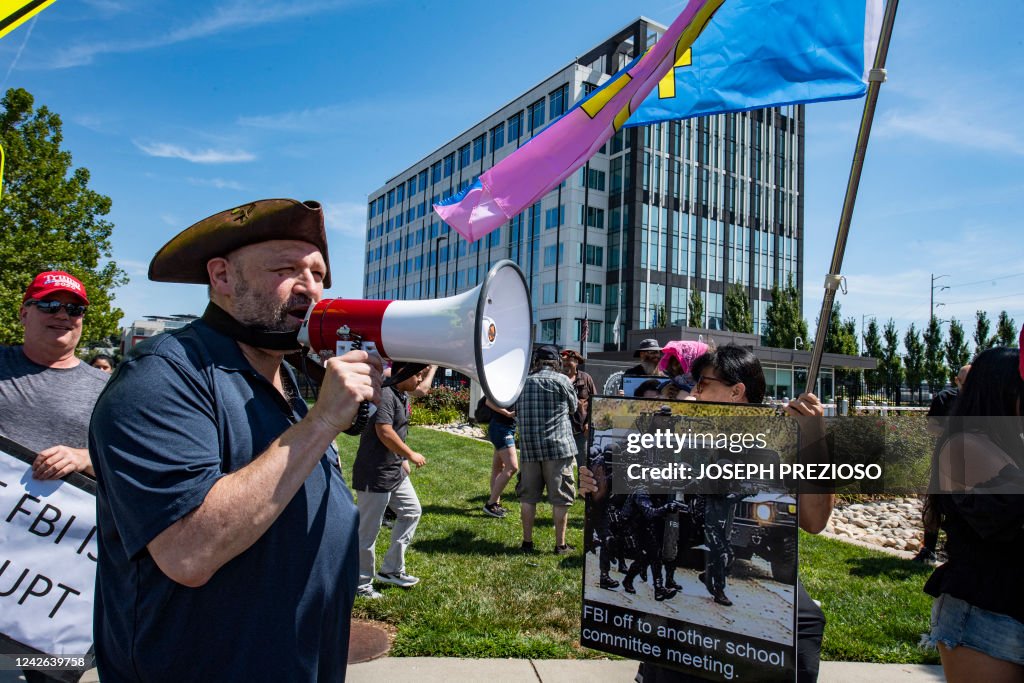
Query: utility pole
[931, 307]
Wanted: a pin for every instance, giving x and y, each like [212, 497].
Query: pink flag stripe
[539, 166]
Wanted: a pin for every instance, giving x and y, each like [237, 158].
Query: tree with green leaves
[738, 317]
[783, 322]
[957, 353]
[696, 316]
[660, 316]
[890, 364]
[935, 371]
[841, 337]
[982, 339]
[914, 360]
[873, 349]
[50, 219]
[1006, 331]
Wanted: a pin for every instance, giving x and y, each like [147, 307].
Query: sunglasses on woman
[51, 307]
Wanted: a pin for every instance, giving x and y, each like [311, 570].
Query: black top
[985, 546]
[377, 468]
[942, 404]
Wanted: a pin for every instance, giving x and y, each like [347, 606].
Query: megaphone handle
[363, 412]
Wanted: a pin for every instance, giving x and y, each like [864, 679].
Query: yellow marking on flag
[14, 13]
[667, 85]
[685, 41]
[620, 119]
[601, 98]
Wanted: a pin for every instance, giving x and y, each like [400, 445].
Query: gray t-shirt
[378, 468]
[42, 407]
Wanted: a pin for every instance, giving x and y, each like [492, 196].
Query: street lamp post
[437, 261]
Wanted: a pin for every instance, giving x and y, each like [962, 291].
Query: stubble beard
[265, 315]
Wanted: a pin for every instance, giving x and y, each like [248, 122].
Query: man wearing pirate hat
[227, 536]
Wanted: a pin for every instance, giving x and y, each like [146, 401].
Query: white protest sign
[47, 559]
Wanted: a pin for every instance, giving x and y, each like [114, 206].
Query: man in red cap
[227, 535]
[46, 392]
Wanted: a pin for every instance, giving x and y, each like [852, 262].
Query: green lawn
[479, 597]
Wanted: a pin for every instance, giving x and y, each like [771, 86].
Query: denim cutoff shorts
[955, 622]
[501, 435]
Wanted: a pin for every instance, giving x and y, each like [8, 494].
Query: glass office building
[662, 211]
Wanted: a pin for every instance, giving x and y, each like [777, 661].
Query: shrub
[440, 398]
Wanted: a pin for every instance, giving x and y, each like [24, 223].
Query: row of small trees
[927, 356]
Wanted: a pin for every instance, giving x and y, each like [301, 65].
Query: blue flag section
[767, 53]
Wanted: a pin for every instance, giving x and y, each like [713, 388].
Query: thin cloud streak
[348, 218]
[233, 16]
[205, 156]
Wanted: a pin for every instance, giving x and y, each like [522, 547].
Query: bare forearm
[241, 506]
[389, 437]
[815, 509]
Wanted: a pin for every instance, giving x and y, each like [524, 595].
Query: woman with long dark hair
[978, 616]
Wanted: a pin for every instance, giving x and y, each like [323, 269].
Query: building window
[553, 254]
[464, 156]
[449, 165]
[593, 330]
[497, 137]
[515, 126]
[479, 147]
[391, 198]
[554, 217]
[596, 180]
[423, 180]
[552, 293]
[593, 293]
[410, 187]
[435, 172]
[551, 331]
[589, 88]
[400, 194]
[595, 217]
[595, 255]
[536, 115]
[557, 102]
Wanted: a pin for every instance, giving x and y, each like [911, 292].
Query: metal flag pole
[833, 280]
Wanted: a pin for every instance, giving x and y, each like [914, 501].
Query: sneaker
[400, 579]
[494, 510]
[368, 592]
[927, 556]
[564, 549]
[526, 547]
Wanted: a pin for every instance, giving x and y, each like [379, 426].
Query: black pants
[810, 627]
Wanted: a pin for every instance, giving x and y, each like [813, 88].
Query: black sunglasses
[51, 307]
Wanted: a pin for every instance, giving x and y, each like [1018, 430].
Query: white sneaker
[368, 592]
[398, 579]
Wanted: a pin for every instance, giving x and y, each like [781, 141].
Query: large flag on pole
[540, 165]
[767, 53]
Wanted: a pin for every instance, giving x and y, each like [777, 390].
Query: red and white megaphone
[483, 333]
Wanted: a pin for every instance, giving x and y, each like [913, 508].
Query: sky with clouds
[184, 109]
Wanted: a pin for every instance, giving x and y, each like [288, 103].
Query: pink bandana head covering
[1021, 346]
[683, 351]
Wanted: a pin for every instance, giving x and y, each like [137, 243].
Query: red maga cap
[53, 281]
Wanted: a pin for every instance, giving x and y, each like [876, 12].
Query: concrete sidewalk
[449, 669]
[453, 670]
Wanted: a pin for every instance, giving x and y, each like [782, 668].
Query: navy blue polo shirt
[184, 410]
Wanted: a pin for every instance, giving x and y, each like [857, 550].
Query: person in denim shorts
[978, 615]
[501, 432]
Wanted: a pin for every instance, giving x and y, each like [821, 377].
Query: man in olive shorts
[548, 449]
